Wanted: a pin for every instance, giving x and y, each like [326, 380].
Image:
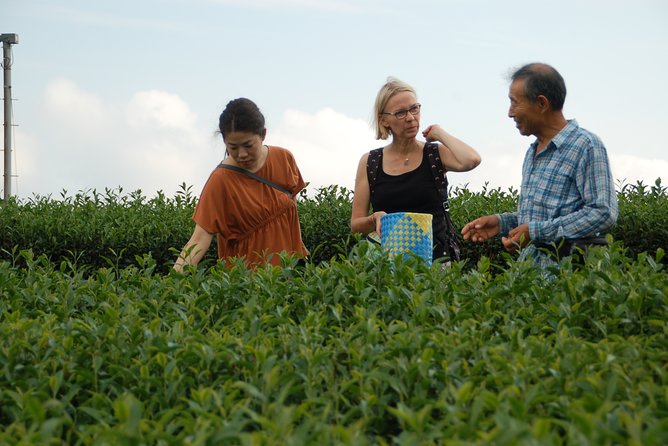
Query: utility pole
[7, 41]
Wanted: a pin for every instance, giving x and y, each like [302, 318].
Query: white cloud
[327, 145]
[630, 169]
[165, 147]
[161, 109]
[151, 143]
[498, 170]
[503, 171]
[75, 111]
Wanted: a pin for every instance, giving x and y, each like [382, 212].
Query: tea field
[355, 350]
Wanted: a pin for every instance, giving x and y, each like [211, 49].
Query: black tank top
[413, 191]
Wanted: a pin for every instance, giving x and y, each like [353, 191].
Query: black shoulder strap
[437, 171]
[256, 177]
[452, 246]
[372, 166]
[375, 158]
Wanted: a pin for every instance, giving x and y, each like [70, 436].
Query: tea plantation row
[353, 351]
[113, 228]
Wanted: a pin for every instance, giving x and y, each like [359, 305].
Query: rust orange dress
[252, 219]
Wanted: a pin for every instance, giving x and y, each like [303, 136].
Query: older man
[568, 196]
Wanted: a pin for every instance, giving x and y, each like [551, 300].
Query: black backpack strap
[372, 165]
[438, 173]
[256, 177]
[452, 242]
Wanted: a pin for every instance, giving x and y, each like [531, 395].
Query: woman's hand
[375, 220]
[456, 155]
[195, 249]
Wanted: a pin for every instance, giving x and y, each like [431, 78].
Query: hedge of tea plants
[113, 228]
[359, 350]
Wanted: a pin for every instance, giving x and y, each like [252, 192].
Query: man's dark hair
[241, 115]
[542, 79]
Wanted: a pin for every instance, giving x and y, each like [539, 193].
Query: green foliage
[98, 346]
[358, 350]
[113, 228]
[643, 217]
[96, 229]
[325, 222]
[642, 225]
[466, 206]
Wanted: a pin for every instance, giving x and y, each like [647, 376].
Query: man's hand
[517, 238]
[481, 228]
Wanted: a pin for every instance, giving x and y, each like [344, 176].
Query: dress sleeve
[295, 180]
[208, 212]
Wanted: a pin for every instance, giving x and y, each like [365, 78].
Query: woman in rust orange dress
[250, 218]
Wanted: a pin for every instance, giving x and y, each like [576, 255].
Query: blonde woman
[399, 177]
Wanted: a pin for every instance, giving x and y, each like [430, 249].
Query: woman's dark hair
[241, 115]
[542, 79]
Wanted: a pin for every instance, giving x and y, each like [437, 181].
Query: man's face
[525, 113]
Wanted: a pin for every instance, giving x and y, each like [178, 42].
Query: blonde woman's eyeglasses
[401, 114]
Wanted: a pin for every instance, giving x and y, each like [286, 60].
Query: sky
[126, 94]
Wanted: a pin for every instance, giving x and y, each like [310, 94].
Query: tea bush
[94, 228]
[643, 217]
[325, 222]
[466, 206]
[359, 350]
[113, 228]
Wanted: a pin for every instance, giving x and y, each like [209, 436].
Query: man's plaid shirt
[567, 190]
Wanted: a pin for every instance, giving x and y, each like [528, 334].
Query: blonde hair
[389, 89]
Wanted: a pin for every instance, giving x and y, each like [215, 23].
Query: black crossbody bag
[256, 177]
